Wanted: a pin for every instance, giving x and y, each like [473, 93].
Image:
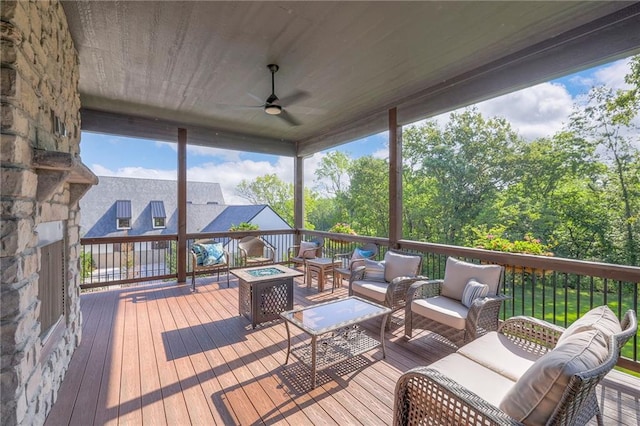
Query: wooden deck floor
[159, 354]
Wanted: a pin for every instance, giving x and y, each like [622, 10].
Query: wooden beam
[298, 193]
[395, 179]
[164, 130]
[182, 205]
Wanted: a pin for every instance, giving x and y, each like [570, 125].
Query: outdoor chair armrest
[357, 273]
[293, 251]
[425, 396]
[531, 329]
[483, 315]
[422, 289]
[397, 290]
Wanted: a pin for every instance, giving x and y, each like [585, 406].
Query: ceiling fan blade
[295, 97]
[256, 98]
[237, 107]
[288, 118]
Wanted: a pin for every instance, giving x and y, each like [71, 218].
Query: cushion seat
[501, 354]
[443, 310]
[483, 381]
[375, 290]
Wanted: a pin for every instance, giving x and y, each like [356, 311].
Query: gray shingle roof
[234, 215]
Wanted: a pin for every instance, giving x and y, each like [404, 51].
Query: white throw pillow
[305, 250]
[472, 291]
[373, 271]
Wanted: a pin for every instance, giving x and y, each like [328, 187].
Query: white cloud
[613, 75]
[534, 112]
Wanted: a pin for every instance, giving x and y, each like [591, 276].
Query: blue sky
[535, 111]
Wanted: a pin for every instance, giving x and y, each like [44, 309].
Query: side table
[321, 267]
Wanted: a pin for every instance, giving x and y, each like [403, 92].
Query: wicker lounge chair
[298, 254]
[199, 265]
[348, 262]
[440, 306]
[387, 282]
[529, 372]
[254, 251]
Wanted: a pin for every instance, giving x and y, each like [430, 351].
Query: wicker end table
[335, 334]
[264, 292]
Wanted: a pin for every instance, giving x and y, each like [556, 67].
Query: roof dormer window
[123, 214]
[158, 215]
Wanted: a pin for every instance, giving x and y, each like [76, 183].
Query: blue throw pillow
[200, 252]
[214, 254]
[364, 253]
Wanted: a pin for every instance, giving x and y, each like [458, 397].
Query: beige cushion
[457, 273]
[400, 265]
[600, 318]
[484, 382]
[498, 353]
[443, 310]
[537, 393]
[374, 290]
[305, 250]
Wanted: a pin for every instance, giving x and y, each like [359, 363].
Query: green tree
[368, 198]
[466, 164]
[609, 128]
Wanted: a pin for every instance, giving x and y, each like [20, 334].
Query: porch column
[182, 205]
[298, 192]
[395, 179]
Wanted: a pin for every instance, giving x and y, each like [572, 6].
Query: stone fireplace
[42, 180]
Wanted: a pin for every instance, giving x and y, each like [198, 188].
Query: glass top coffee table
[335, 334]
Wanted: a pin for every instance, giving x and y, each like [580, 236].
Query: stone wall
[40, 111]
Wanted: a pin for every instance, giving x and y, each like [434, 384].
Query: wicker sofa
[528, 372]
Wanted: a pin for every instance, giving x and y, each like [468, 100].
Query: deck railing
[555, 289]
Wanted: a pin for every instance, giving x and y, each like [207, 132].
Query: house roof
[234, 215]
[141, 200]
[144, 198]
[202, 65]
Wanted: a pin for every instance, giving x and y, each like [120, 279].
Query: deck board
[160, 354]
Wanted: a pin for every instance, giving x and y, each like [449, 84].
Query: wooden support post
[182, 206]
[298, 195]
[395, 179]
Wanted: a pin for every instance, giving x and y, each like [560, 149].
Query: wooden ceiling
[147, 67]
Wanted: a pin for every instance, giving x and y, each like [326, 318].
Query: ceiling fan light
[273, 109]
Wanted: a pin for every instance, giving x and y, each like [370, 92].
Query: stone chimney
[42, 179]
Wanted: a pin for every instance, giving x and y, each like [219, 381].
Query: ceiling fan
[274, 105]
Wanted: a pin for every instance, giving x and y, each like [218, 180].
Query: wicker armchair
[437, 305]
[198, 267]
[425, 395]
[254, 251]
[387, 285]
[298, 255]
[348, 262]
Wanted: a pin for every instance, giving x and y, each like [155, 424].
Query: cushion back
[308, 249]
[457, 273]
[535, 396]
[599, 318]
[401, 265]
